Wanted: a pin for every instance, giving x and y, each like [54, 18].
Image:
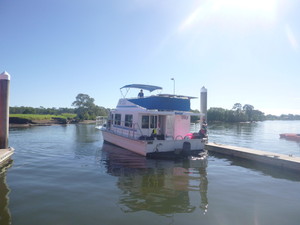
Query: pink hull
[291, 136]
[136, 146]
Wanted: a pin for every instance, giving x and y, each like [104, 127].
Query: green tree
[248, 111]
[84, 107]
[194, 119]
[29, 110]
[237, 107]
[258, 115]
[216, 114]
[238, 113]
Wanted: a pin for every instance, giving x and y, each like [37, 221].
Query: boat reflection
[5, 217]
[159, 186]
[295, 140]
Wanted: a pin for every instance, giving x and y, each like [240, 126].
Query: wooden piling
[203, 104]
[5, 151]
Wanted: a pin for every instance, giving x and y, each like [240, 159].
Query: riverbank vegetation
[245, 113]
[67, 116]
[84, 108]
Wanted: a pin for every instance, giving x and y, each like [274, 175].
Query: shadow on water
[5, 216]
[265, 169]
[161, 186]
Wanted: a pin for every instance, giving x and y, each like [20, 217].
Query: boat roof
[143, 86]
[156, 112]
[176, 96]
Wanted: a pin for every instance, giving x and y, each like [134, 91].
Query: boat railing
[124, 128]
[179, 137]
[101, 121]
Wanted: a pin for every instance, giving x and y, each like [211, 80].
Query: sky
[242, 51]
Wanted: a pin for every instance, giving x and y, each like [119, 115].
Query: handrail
[100, 121]
[134, 131]
[179, 136]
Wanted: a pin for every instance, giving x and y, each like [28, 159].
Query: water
[64, 175]
[261, 136]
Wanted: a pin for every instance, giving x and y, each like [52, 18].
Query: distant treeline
[245, 113]
[283, 117]
[41, 110]
[86, 109]
[97, 111]
[91, 114]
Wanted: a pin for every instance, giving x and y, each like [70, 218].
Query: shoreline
[48, 123]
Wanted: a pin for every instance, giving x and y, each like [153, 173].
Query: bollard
[203, 105]
[4, 109]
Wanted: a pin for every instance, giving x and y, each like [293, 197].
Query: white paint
[4, 76]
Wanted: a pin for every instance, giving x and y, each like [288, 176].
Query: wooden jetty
[5, 155]
[269, 158]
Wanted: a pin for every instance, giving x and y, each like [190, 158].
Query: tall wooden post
[4, 109]
[203, 105]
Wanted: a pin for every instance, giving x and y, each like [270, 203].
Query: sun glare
[256, 10]
[291, 37]
[248, 5]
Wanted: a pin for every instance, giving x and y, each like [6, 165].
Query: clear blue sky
[242, 51]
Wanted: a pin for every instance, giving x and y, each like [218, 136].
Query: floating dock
[269, 158]
[5, 155]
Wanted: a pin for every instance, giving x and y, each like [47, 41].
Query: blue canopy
[162, 103]
[143, 86]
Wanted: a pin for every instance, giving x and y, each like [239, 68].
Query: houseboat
[155, 126]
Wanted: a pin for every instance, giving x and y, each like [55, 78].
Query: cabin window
[128, 120]
[153, 121]
[149, 122]
[117, 119]
[145, 122]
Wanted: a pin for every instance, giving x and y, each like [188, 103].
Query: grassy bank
[43, 117]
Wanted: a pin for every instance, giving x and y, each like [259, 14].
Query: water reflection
[5, 217]
[85, 133]
[86, 140]
[159, 186]
[239, 130]
[290, 140]
[265, 169]
[260, 135]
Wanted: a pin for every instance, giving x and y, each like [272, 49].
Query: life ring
[179, 136]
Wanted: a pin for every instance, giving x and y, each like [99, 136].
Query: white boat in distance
[155, 126]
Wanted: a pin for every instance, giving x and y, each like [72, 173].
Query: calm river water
[64, 175]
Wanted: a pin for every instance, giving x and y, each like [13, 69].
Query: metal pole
[203, 105]
[4, 109]
[173, 79]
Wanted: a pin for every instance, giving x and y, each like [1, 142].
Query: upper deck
[159, 102]
[162, 103]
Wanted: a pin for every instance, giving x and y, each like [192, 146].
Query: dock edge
[5, 155]
[274, 159]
